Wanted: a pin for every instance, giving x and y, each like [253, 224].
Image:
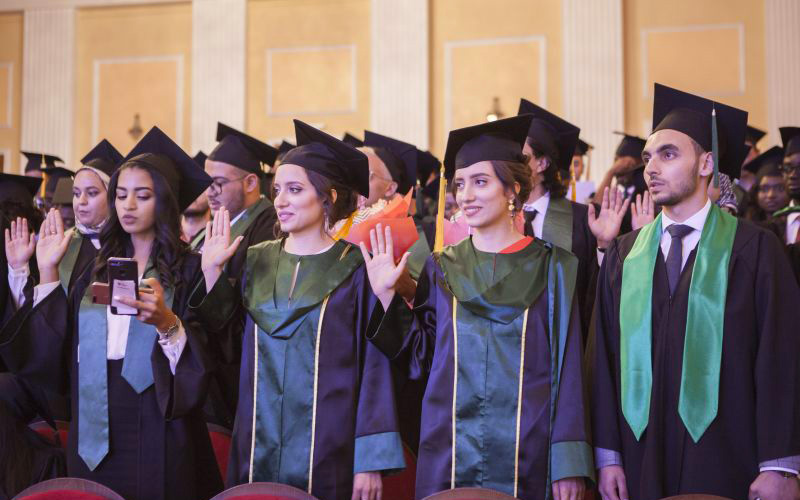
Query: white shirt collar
[792, 216]
[539, 205]
[696, 221]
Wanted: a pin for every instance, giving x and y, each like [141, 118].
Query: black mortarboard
[39, 161]
[352, 140]
[582, 148]
[500, 140]
[550, 134]
[790, 136]
[692, 115]
[630, 145]
[242, 151]
[426, 165]
[200, 158]
[104, 157]
[328, 156]
[432, 190]
[18, 188]
[398, 156]
[63, 192]
[772, 156]
[185, 177]
[52, 175]
[753, 135]
[284, 148]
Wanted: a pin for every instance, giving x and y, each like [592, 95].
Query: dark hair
[168, 249]
[10, 210]
[335, 211]
[510, 173]
[754, 212]
[551, 177]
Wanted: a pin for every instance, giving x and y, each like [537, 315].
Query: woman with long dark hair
[316, 401]
[137, 383]
[496, 328]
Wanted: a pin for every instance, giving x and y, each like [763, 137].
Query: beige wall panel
[132, 60]
[506, 69]
[320, 52]
[11, 26]
[714, 48]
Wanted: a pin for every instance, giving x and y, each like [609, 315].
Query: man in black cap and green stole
[695, 386]
[238, 165]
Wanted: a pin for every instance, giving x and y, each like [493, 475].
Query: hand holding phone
[123, 280]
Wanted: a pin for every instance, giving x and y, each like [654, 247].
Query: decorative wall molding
[17, 5]
[400, 100]
[593, 75]
[8, 120]
[48, 68]
[218, 68]
[782, 17]
[448, 68]
[353, 105]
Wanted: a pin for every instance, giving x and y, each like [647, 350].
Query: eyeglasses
[788, 168]
[221, 182]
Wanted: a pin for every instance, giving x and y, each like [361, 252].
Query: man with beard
[695, 386]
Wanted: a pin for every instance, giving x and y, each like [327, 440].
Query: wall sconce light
[495, 113]
[136, 130]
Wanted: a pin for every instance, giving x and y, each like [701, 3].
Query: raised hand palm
[217, 249]
[20, 244]
[52, 244]
[383, 273]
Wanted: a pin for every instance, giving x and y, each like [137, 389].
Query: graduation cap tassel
[715, 145]
[572, 183]
[438, 243]
[43, 189]
[345, 230]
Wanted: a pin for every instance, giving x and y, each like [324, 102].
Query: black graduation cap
[500, 140]
[63, 192]
[104, 157]
[352, 140]
[185, 177]
[582, 148]
[630, 145]
[398, 156]
[328, 156]
[40, 161]
[242, 151]
[284, 148]
[692, 115]
[52, 175]
[550, 134]
[200, 158]
[432, 190]
[772, 156]
[753, 135]
[18, 188]
[790, 136]
[427, 163]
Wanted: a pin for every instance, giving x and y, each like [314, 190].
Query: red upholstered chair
[68, 488]
[263, 491]
[469, 494]
[221, 442]
[57, 437]
[401, 486]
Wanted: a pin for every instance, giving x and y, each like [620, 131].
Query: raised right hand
[611, 483]
[51, 247]
[20, 243]
[383, 273]
[217, 248]
[643, 211]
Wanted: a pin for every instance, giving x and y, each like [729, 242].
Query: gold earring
[511, 206]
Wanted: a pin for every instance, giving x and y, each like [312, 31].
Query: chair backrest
[68, 488]
[401, 486]
[221, 442]
[264, 491]
[469, 494]
[696, 496]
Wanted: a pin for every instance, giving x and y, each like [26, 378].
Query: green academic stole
[489, 327]
[557, 227]
[702, 349]
[67, 264]
[241, 224]
[137, 369]
[419, 254]
[285, 332]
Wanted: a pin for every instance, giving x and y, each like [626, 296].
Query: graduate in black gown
[550, 216]
[137, 383]
[316, 407]
[695, 386]
[238, 165]
[496, 327]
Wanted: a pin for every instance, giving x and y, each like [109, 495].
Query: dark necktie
[675, 256]
[529, 216]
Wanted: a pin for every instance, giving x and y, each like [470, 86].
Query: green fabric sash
[702, 350]
[787, 210]
[67, 264]
[241, 224]
[286, 332]
[137, 369]
[557, 227]
[199, 238]
[489, 322]
[419, 254]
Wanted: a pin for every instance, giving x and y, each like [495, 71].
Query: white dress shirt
[792, 225]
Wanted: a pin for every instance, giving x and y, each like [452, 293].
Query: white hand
[605, 227]
[20, 243]
[382, 271]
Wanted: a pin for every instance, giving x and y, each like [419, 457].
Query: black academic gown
[758, 389]
[163, 450]
[223, 392]
[794, 258]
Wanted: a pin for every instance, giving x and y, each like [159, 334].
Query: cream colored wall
[504, 48]
[307, 59]
[132, 60]
[714, 48]
[11, 25]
